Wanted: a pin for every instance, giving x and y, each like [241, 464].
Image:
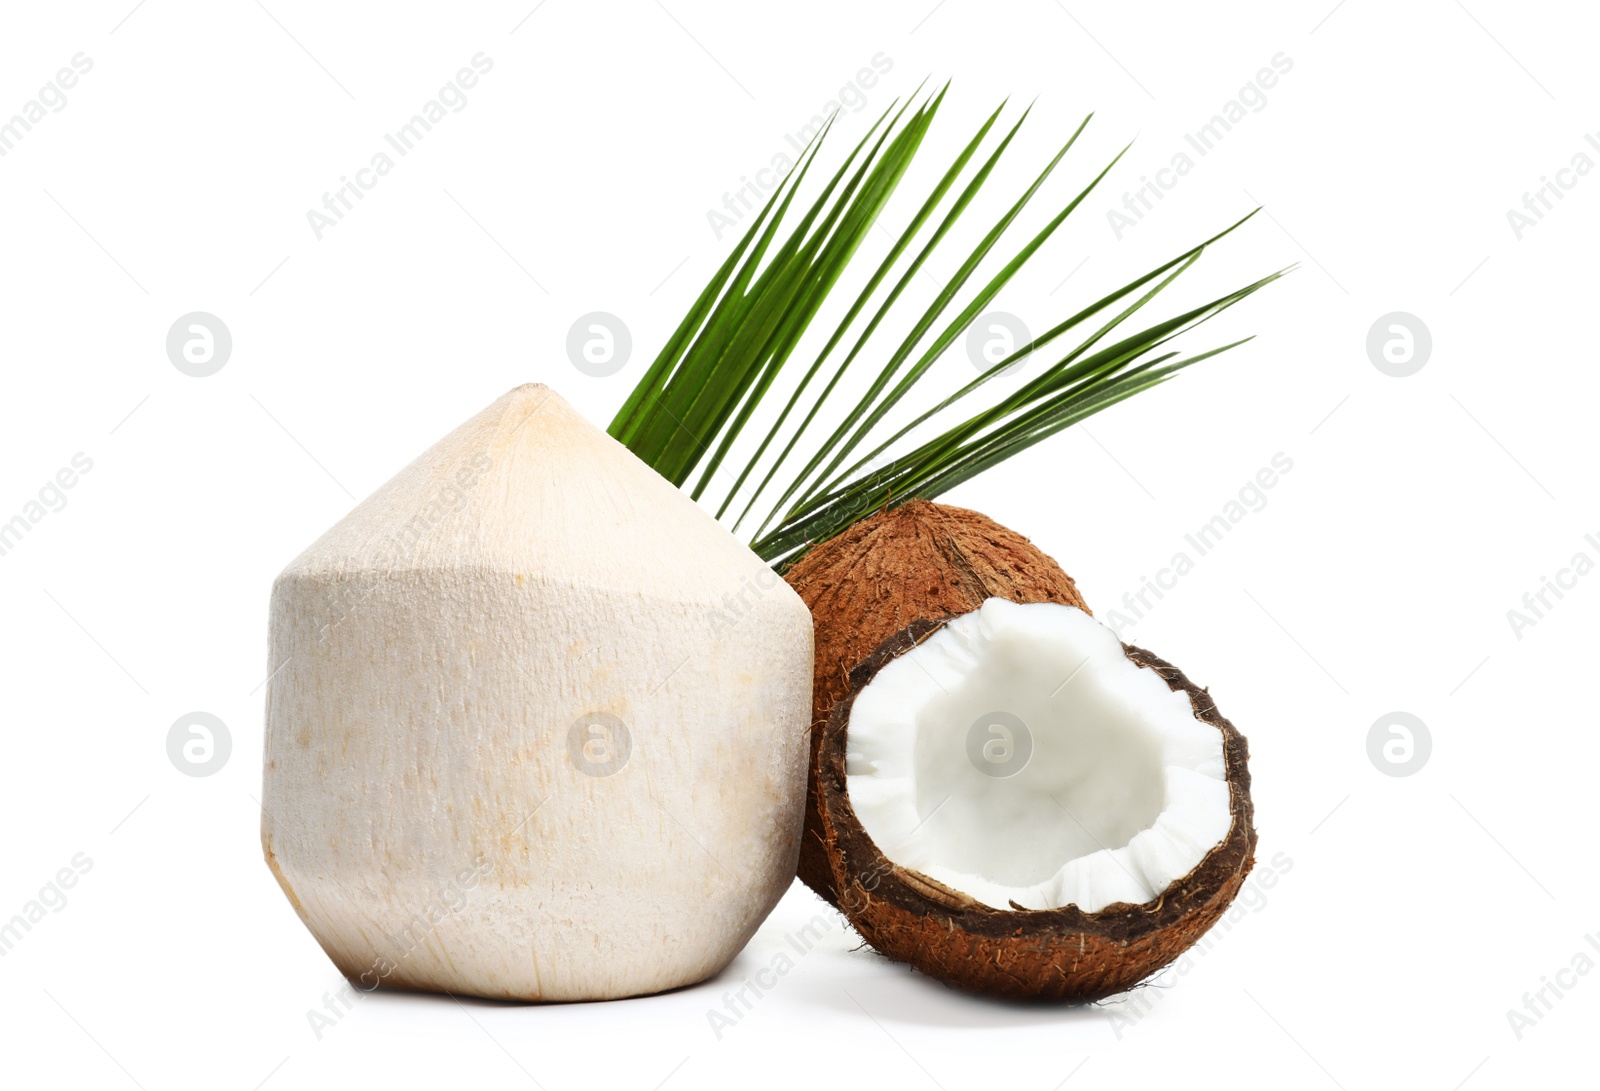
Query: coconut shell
[1023, 954]
[918, 562]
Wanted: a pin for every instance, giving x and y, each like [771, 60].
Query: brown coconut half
[919, 562]
[1062, 954]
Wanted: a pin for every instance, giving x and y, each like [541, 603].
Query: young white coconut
[537, 724]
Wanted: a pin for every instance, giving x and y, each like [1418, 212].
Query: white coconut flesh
[1018, 756]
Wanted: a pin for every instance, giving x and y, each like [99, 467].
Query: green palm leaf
[725, 358]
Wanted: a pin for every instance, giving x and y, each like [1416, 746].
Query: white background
[1415, 910]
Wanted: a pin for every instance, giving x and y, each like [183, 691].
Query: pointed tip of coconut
[521, 401]
[529, 486]
[529, 403]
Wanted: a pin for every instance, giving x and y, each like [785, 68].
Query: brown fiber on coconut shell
[1024, 954]
[919, 562]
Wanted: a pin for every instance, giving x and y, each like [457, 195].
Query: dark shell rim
[862, 872]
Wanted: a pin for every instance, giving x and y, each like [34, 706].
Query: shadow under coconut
[400, 995]
[896, 991]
